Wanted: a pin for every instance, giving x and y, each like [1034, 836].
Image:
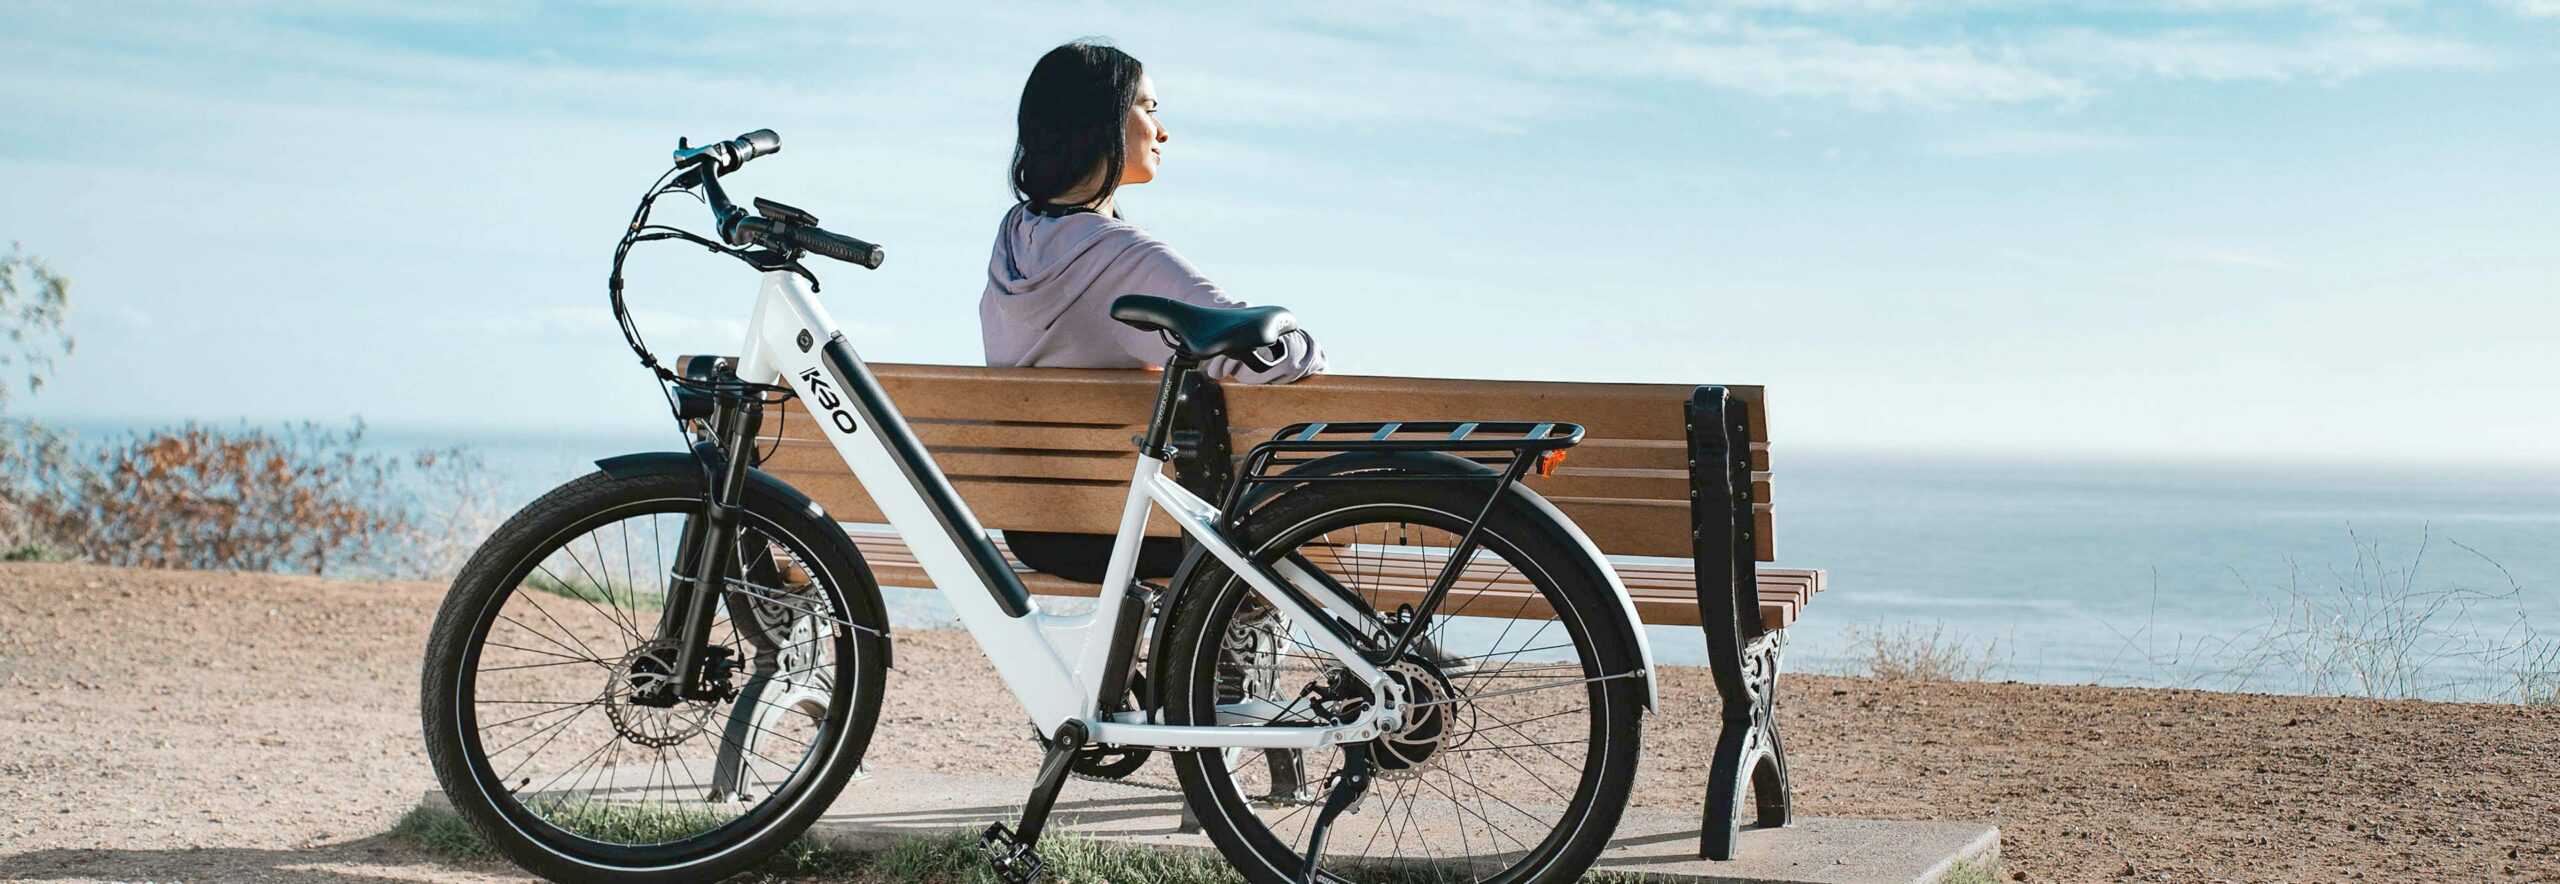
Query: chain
[1139, 784]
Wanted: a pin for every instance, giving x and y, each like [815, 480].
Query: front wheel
[1524, 719]
[531, 690]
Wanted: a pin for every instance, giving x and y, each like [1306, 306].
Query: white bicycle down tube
[790, 337]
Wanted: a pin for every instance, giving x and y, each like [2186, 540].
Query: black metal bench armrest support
[1742, 654]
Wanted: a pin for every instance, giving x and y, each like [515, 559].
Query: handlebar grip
[726, 156]
[838, 246]
[761, 142]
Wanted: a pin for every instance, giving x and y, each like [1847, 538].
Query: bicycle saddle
[1205, 331]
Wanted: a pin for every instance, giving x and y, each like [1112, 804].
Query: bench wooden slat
[1113, 438]
[959, 460]
[1783, 592]
[1033, 395]
[1092, 507]
[1077, 452]
[1631, 411]
[1652, 528]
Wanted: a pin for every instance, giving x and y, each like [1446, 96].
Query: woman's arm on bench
[1153, 268]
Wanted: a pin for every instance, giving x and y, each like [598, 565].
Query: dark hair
[1073, 109]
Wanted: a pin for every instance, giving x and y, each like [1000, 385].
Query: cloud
[1809, 64]
[2230, 256]
[1738, 52]
[2537, 8]
[2210, 54]
[2031, 143]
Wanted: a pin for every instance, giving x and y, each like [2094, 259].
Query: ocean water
[2228, 577]
[2215, 576]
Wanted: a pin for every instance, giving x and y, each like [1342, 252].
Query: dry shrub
[1911, 652]
[2534, 667]
[2372, 630]
[304, 498]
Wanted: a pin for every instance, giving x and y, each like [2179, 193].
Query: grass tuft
[606, 592]
[1973, 872]
[625, 824]
[443, 833]
[2535, 668]
[1912, 652]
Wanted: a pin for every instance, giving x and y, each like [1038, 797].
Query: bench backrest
[1052, 449]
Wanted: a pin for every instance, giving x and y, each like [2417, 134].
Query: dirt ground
[170, 726]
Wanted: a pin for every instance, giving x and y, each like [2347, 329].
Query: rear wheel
[1523, 720]
[530, 689]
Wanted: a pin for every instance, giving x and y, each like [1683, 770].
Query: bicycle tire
[498, 572]
[1524, 537]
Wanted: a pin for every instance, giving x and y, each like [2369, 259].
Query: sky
[2255, 230]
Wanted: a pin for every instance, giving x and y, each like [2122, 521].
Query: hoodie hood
[1041, 265]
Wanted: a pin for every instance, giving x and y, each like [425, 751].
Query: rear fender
[1414, 462]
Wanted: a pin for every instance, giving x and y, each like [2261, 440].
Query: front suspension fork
[705, 556]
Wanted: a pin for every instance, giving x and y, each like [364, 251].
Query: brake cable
[639, 230]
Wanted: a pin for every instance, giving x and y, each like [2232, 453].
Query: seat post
[1158, 441]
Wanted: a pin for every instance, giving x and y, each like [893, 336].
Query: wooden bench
[1671, 481]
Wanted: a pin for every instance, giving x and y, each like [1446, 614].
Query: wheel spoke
[1253, 663]
[611, 770]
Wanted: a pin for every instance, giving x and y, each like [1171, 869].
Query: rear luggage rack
[1497, 444]
[1507, 450]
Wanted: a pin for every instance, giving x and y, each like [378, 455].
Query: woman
[1087, 126]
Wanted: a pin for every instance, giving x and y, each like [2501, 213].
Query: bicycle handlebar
[797, 236]
[738, 228]
[838, 246]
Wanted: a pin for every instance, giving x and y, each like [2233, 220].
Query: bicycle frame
[1055, 664]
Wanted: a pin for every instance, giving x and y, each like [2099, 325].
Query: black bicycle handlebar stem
[783, 227]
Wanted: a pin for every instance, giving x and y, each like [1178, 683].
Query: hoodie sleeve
[1152, 268]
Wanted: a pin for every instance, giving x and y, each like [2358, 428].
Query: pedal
[1014, 862]
[1015, 852]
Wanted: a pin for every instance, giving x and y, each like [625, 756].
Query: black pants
[1083, 557]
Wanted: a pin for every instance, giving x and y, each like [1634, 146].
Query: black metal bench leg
[1742, 654]
[1769, 777]
[1748, 747]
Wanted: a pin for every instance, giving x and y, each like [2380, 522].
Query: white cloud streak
[2207, 54]
[2032, 143]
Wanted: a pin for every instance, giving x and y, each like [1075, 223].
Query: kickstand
[1015, 853]
[1348, 785]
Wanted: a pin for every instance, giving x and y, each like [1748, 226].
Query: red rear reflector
[1547, 462]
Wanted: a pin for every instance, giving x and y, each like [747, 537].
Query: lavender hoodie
[1050, 284]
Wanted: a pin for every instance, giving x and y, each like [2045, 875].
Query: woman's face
[1143, 136]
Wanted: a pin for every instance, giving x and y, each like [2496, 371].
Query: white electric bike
[669, 668]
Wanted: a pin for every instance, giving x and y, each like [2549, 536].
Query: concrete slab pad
[888, 806]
